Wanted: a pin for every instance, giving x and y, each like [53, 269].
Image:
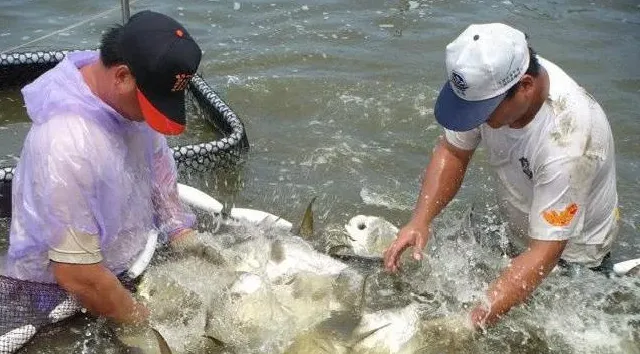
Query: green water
[337, 96]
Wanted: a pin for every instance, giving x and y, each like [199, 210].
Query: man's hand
[518, 281]
[410, 235]
[181, 236]
[442, 179]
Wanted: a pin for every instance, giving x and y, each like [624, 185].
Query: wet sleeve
[61, 189]
[172, 215]
[560, 193]
[77, 248]
[468, 140]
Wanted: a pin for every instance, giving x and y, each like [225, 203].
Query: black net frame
[19, 69]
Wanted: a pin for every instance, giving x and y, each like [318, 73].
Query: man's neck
[541, 94]
[90, 73]
[95, 76]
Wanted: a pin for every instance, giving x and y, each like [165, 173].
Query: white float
[199, 199]
[258, 216]
[140, 264]
[15, 339]
[624, 267]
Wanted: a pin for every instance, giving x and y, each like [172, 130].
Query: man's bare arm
[519, 280]
[442, 180]
[97, 289]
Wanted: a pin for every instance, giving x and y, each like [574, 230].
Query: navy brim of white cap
[457, 114]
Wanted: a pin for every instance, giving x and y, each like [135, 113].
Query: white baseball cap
[482, 64]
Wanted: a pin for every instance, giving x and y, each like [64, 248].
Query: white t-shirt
[558, 179]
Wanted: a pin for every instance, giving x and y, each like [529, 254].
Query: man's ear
[124, 80]
[527, 84]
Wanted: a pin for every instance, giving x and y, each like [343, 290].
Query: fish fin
[121, 342]
[277, 251]
[322, 346]
[215, 340]
[162, 343]
[363, 260]
[207, 325]
[126, 336]
[634, 272]
[341, 323]
[363, 291]
[207, 319]
[225, 213]
[306, 225]
[338, 250]
[368, 334]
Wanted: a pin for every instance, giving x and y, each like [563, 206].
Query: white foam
[370, 197]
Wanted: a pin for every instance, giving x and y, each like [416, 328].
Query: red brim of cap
[156, 119]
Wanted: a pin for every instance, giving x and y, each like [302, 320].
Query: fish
[363, 242]
[262, 287]
[405, 330]
[397, 330]
[369, 236]
[85, 333]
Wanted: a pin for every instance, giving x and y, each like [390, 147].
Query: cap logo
[458, 81]
[182, 80]
[511, 75]
[179, 33]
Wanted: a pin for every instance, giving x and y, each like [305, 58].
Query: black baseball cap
[162, 57]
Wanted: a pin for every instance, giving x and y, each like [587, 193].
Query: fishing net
[25, 307]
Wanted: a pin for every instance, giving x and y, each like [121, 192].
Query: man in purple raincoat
[96, 175]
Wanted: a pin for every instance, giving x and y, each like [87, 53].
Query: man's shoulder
[565, 90]
[67, 134]
[72, 124]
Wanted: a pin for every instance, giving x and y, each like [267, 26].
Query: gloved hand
[187, 243]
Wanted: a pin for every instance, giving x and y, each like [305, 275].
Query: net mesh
[25, 307]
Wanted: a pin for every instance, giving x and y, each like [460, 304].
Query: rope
[101, 14]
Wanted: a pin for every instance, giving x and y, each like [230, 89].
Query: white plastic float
[624, 267]
[140, 264]
[201, 200]
[198, 199]
[259, 216]
[15, 339]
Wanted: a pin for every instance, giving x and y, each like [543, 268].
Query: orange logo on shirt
[561, 218]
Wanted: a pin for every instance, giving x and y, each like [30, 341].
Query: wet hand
[181, 238]
[137, 317]
[478, 317]
[408, 236]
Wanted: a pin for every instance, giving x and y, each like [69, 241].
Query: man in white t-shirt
[548, 141]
